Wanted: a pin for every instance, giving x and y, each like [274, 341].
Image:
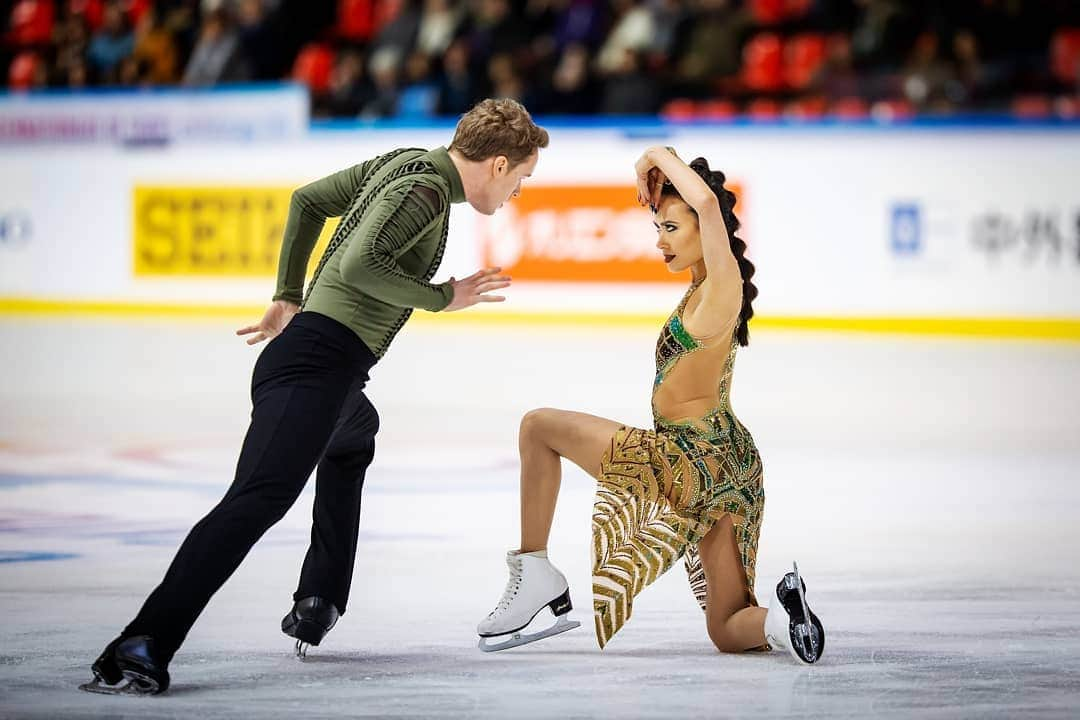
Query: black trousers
[308, 407]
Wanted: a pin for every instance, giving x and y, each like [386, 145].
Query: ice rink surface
[928, 488]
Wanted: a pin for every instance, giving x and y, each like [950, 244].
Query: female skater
[692, 486]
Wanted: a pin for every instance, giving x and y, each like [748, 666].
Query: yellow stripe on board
[1036, 328]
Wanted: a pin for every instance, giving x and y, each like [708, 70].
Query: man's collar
[441, 158]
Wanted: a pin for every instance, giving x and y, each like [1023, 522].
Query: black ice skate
[309, 621]
[134, 659]
[790, 624]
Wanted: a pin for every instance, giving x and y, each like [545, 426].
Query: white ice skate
[533, 585]
[789, 623]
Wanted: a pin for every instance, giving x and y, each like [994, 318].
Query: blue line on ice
[13, 556]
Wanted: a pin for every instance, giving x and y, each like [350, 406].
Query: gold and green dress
[661, 490]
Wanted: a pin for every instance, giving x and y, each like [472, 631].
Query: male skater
[307, 389]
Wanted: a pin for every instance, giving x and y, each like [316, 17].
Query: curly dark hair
[715, 180]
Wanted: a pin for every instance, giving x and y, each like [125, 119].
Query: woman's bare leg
[733, 625]
[547, 435]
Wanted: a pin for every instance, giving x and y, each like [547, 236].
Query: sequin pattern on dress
[661, 491]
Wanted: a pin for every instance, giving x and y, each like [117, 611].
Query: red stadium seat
[717, 110]
[136, 9]
[23, 69]
[768, 12]
[355, 19]
[386, 11]
[1065, 55]
[678, 109]
[1031, 106]
[763, 66]
[1067, 107]
[852, 108]
[763, 109]
[795, 9]
[803, 56]
[313, 67]
[810, 108]
[31, 22]
[93, 11]
[892, 110]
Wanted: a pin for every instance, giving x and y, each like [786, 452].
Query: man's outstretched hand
[274, 320]
[475, 288]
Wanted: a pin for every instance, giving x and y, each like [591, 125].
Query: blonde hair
[498, 127]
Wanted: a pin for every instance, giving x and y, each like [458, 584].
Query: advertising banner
[575, 233]
[869, 225]
[157, 116]
[224, 232]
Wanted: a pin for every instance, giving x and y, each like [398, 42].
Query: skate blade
[517, 639]
[301, 650]
[805, 629]
[804, 635]
[132, 687]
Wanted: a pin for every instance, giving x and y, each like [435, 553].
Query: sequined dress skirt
[660, 492]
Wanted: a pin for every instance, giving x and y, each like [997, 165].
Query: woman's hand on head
[650, 179]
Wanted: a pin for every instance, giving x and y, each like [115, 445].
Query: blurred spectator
[927, 76]
[668, 19]
[506, 81]
[218, 56]
[181, 18]
[975, 80]
[420, 94]
[417, 57]
[439, 23]
[130, 72]
[633, 30]
[628, 90]
[580, 22]
[384, 67]
[72, 39]
[398, 35]
[348, 91]
[572, 90]
[256, 38]
[540, 17]
[111, 43]
[495, 29]
[76, 75]
[837, 78]
[713, 48]
[457, 91]
[882, 32]
[155, 48]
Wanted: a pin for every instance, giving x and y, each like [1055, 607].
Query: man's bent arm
[390, 227]
[310, 206]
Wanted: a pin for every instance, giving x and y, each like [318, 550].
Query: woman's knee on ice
[722, 637]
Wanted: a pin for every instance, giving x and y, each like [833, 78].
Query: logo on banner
[15, 229]
[906, 232]
[212, 231]
[577, 233]
[1036, 236]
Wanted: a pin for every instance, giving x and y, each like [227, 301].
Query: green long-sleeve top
[395, 210]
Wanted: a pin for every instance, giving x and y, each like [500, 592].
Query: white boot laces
[512, 585]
